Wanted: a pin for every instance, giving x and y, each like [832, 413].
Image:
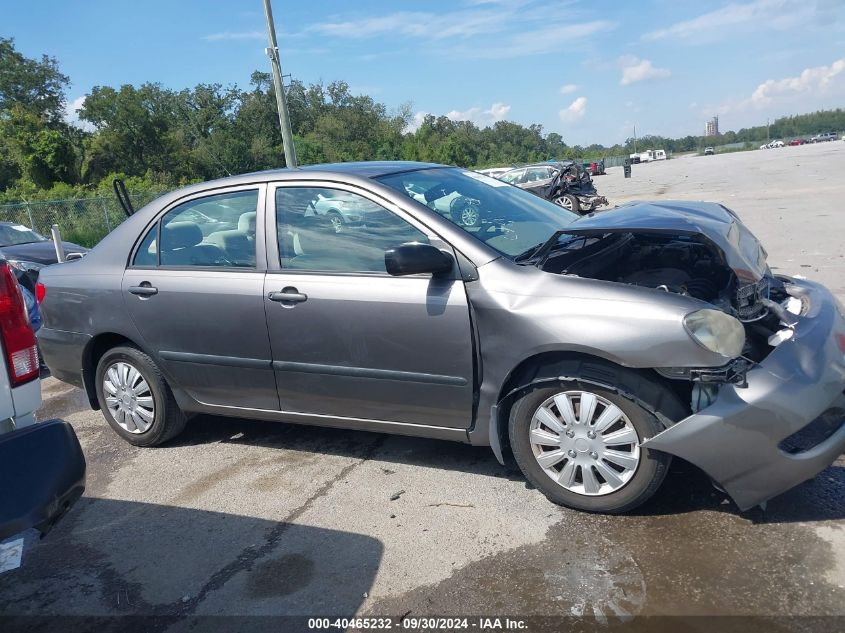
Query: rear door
[351, 342]
[194, 289]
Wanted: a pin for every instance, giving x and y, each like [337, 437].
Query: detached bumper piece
[590, 203]
[42, 474]
[785, 424]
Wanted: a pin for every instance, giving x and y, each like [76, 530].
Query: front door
[195, 293]
[350, 341]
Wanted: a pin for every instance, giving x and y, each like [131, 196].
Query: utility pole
[281, 101]
[635, 139]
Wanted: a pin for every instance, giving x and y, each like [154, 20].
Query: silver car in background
[594, 348]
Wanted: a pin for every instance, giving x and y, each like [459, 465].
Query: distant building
[712, 127]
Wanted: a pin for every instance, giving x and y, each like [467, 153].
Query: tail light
[18, 339]
[40, 292]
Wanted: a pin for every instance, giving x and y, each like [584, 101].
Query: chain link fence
[84, 221]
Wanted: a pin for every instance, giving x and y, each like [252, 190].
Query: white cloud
[235, 35]
[818, 79]
[72, 114]
[416, 122]
[817, 88]
[576, 110]
[777, 14]
[548, 39]
[496, 112]
[515, 27]
[635, 69]
[418, 24]
[568, 89]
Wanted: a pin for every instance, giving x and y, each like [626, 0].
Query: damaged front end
[785, 422]
[774, 414]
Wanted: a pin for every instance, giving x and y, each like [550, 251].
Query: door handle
[288, 295]
[144, 290]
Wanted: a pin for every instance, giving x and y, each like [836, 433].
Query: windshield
[14, 234]
[507, 218]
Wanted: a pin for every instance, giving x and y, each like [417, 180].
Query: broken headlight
[716, 331]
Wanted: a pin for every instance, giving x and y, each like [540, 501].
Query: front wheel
[135, 399]
[568, 202]
[580, 444]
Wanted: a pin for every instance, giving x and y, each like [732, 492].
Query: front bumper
[737, 440]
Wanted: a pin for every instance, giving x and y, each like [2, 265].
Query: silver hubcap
[565, 202]
[584, 443]
[469, 216]
[337, 223]
[128, 397]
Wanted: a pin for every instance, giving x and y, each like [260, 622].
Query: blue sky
[586, 69]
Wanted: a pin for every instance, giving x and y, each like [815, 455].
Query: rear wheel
[135, 399]
[569, 202]
[580, 444]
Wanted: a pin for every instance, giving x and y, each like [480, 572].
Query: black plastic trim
[211, 359]
[364, 372]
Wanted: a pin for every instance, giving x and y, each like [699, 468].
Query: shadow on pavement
[407, 450]
[686, 488]
[120, 558]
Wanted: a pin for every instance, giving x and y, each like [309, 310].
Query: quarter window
[323, 229]
[147, 253]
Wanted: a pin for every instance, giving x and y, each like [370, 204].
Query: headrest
[180, 235]
[246, 223]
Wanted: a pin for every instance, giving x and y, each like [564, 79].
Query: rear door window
[216, 231]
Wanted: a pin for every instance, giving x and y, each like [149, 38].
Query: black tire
[647, 477]
[573, 205]
[168, 421]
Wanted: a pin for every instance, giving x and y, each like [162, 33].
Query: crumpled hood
[742, 251]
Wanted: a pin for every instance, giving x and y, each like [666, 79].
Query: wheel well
[94, 351]
[648, 388]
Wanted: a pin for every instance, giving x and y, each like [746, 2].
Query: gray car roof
[364, 169]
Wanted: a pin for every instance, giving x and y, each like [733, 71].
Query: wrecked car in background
[566, 184]
[592, 348]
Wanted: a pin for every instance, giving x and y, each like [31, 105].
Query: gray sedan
[593, 349]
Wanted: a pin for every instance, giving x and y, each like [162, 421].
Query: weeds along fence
[84, 221]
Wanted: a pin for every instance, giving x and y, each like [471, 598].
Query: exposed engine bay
[685, 264]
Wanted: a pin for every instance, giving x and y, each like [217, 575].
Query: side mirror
[415, 258]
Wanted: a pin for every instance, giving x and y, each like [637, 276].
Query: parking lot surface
[237, 517]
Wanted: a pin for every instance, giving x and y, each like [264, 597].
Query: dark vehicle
[592, 348]
[42, 469]
[30, 251]
[565, 183]
[798, 141]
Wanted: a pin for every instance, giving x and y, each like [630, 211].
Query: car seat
[181, 245]
[237, 246]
